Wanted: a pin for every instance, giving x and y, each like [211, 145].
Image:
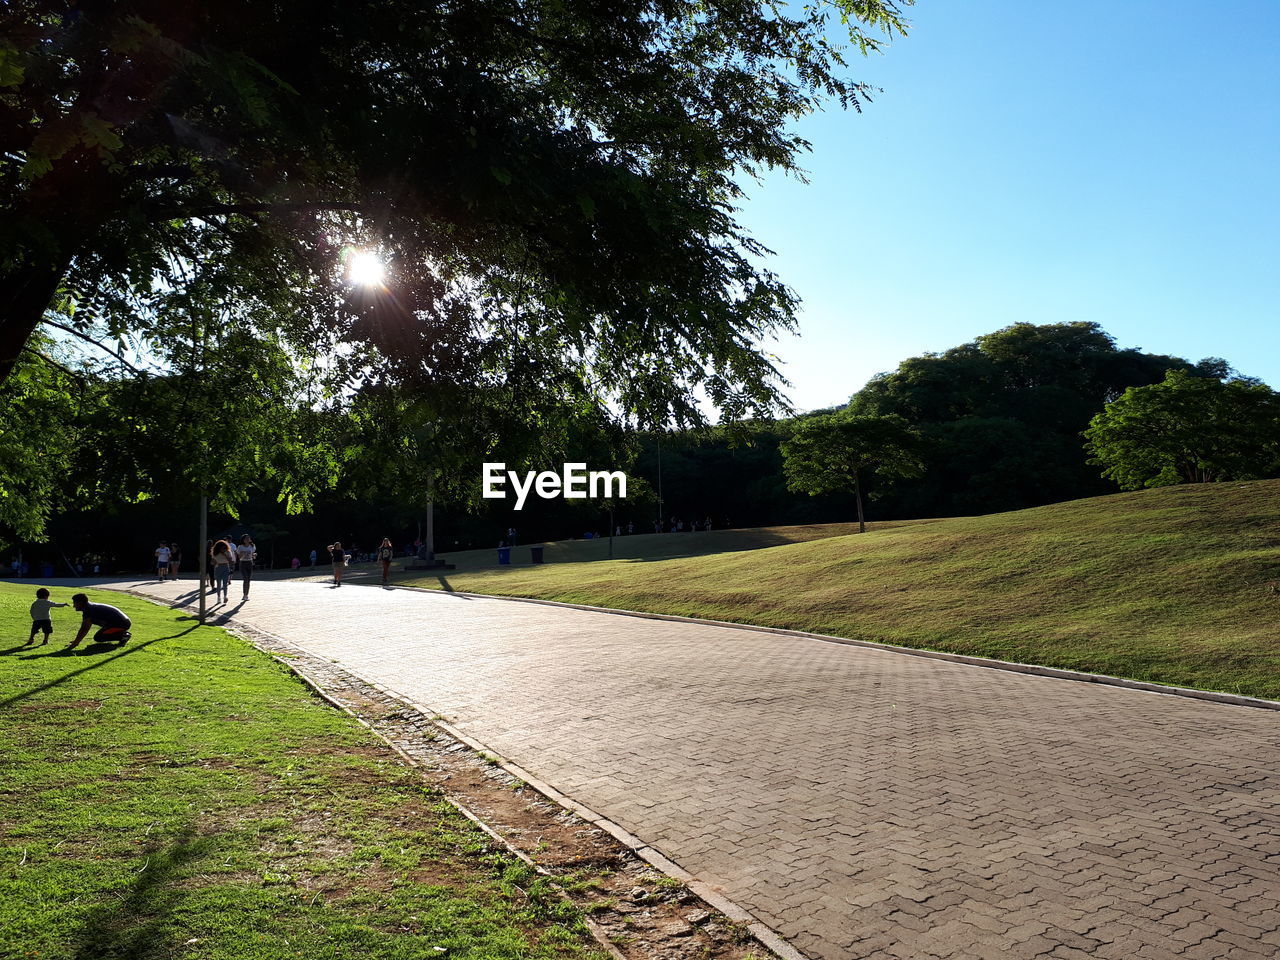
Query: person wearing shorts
[112, 622]
[385, 553]
[338, 556]
[162, 561]
[40, 619]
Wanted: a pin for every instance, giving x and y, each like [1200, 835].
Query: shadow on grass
[184, 599]
[138, 925]
[222, 616]
[21, 646]
[93, 649]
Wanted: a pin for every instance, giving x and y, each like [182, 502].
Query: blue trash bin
[536, 553]
[504, 555]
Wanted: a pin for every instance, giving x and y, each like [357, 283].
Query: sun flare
[365, 269]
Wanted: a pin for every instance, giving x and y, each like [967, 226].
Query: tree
[38, 440]
[1187, 430]
[834, 453]
[1001, 416]
[212, 399]
[551, 185]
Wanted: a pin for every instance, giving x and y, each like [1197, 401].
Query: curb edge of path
[764, 934]
[1031, 669]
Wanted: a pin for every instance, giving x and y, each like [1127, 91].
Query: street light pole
[661, 520]
[204, 550]
[431, 517]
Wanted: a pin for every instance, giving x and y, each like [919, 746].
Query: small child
[40, 617]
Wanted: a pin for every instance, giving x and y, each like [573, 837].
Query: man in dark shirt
[112, 621]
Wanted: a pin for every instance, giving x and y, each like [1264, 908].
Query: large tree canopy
[1002, 415]
[1187, 430]
[551, 183]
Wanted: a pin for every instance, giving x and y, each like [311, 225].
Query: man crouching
[114, 625]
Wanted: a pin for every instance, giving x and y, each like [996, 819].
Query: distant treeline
[1001, 419]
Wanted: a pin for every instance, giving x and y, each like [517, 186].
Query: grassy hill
[664, 546]
[1174, 585]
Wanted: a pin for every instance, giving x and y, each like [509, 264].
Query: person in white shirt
[245, 554]
[40, 619]
[162, 560]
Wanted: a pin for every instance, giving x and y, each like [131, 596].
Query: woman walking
[222, 556]
[245, 553]
[339, 558]
[385, 553]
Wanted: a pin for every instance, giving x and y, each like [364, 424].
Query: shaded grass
[185, 796]
[1174, 585]
[663, 546]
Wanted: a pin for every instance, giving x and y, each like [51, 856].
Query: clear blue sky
[1041, 162]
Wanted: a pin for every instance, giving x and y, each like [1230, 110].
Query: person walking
[40, 619]
[339, 558]
[175, 559]
[314, 557]
[245, 554]
[222, 557]
[208, 571]
[162, 561]
[385, 553]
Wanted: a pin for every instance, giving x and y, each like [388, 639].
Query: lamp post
[204, 551]
[430, 543]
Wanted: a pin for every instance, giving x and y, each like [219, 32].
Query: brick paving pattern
[864, 804]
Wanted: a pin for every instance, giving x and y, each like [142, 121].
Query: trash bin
[504, 555]
[536, 553]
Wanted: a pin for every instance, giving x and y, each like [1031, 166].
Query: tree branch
[55, 364]
[229, 209]
[88, 339]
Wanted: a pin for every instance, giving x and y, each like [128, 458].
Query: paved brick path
[864, 804]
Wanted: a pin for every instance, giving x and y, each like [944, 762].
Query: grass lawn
[185, 796]
[1173, 585]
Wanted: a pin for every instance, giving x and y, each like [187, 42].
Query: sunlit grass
[185, 796]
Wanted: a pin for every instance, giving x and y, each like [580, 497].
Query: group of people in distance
[224, 558]
[168, 560]
[113, 623]
[679, 526]
[339, 557]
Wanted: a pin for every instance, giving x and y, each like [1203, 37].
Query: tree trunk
[60, 214]
[27, 294]
[857, 493]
